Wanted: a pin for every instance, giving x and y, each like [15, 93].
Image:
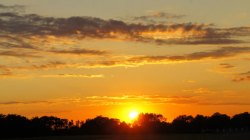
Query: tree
[101, 125]
[182, 123]
[199, 123]
[149, 123]
[15, 124]
[241, 120]
[218, 121]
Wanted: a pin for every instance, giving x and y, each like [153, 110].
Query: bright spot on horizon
[133, 114]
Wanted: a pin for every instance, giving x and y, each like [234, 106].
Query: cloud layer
[133, 99]
[47, 43]
[15, 24]
[223, 52]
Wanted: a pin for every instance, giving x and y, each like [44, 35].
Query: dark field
[245, 136]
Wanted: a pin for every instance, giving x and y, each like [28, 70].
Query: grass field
[151, 137]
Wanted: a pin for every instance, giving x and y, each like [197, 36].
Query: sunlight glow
[133, 114]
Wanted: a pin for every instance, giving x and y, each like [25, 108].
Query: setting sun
[133, 114]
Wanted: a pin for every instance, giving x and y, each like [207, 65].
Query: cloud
[223, 68]
[4, 69]
[156, 99]
[23, 102]
[17, 53]
[226, 66]
[17, 47]
[142, 99]
[220, 53]
[7, 71]
[132, 61]
[230, 103]
[130, 99]
[12, 8]
[62, 100]
[10, 42]
[80, 52]
[33, 25]
[200, 91]
[242, 77]
[32, 37]
[157, 17]
[214, 54]
[73, 76]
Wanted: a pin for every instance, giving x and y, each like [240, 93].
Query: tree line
[13, 125]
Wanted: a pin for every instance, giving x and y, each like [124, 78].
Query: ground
[244, 136]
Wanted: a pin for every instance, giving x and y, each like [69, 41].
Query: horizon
[80, 59]
[139, 116]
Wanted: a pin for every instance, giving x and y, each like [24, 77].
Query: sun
[133, 115]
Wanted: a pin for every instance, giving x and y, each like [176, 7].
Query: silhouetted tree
[241, 121]
[149, 123]
[218, 122]
[199, 123]
[182, 123]
[13, 125]
[101, 125]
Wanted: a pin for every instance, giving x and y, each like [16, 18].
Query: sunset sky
[77, 59]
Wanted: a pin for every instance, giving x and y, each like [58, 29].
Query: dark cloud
[49, 65]
[28, 25]
[23, 102]
[199, 41]
[242, 77]
[17, 53]
[220, 53]
[223, 52]
[158, 15]
[214, 54]
[80, 52]
[226, 66]
[10, 42]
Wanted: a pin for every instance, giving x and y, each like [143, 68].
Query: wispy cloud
[17, 53]
[156, 99]
[154, 17]
[72, 76]
[220, 53]
[242, 77]
[226, 66]
[24, 102]
[12, 8]
[131, 99]
[80, 52]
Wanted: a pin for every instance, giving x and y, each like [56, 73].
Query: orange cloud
[198, 99]
[72, 76]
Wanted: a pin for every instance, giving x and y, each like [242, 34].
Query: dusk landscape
[124, 69]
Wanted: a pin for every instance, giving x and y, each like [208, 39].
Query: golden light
[174, 34]
[133, 115]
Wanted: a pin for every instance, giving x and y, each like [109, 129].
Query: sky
[78, 59]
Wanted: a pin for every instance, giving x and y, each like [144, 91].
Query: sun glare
[133, 115]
